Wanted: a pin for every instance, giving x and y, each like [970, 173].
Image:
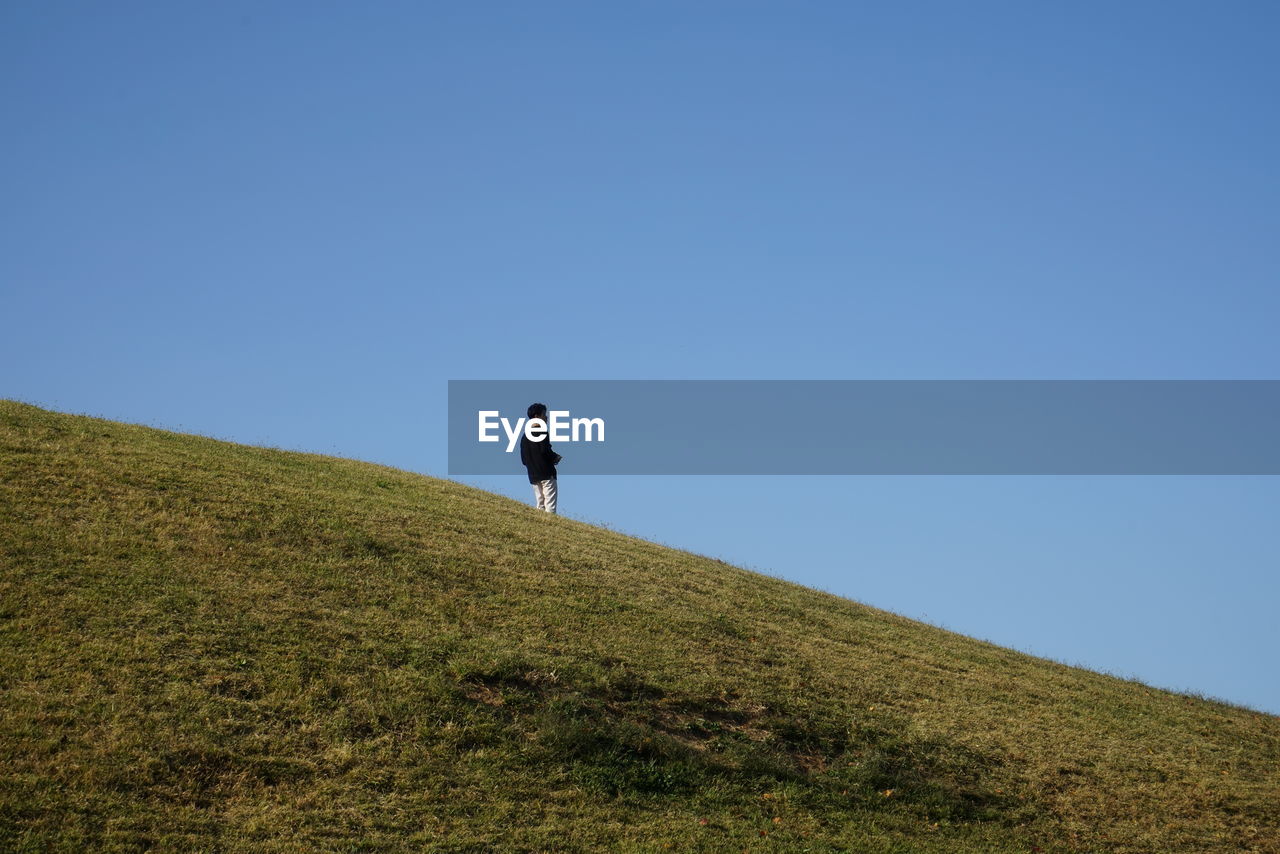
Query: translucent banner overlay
[711, 427]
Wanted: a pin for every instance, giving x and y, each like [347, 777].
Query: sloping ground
[209, 646]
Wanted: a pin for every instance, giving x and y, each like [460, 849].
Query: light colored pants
[544, 493]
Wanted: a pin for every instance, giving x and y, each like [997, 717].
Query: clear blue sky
[292, 223]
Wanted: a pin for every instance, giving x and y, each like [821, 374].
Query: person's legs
[537, 495]
[549, 495]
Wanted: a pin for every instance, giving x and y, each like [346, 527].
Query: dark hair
[538, 410]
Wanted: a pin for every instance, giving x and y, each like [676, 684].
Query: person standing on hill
[540, 461]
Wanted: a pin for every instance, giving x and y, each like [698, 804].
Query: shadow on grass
[620, 737]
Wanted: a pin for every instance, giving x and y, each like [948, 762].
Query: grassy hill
[212, 647]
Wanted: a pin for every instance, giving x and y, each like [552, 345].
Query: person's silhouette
[540, 461]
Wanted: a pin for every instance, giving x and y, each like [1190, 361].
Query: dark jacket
[539, 459]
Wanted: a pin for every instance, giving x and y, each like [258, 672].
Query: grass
[215, 647]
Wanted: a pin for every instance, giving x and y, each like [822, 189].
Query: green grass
[215, 647]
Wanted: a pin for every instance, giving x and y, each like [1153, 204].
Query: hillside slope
[209, 646]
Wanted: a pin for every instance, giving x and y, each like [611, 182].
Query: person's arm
[547, 454]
